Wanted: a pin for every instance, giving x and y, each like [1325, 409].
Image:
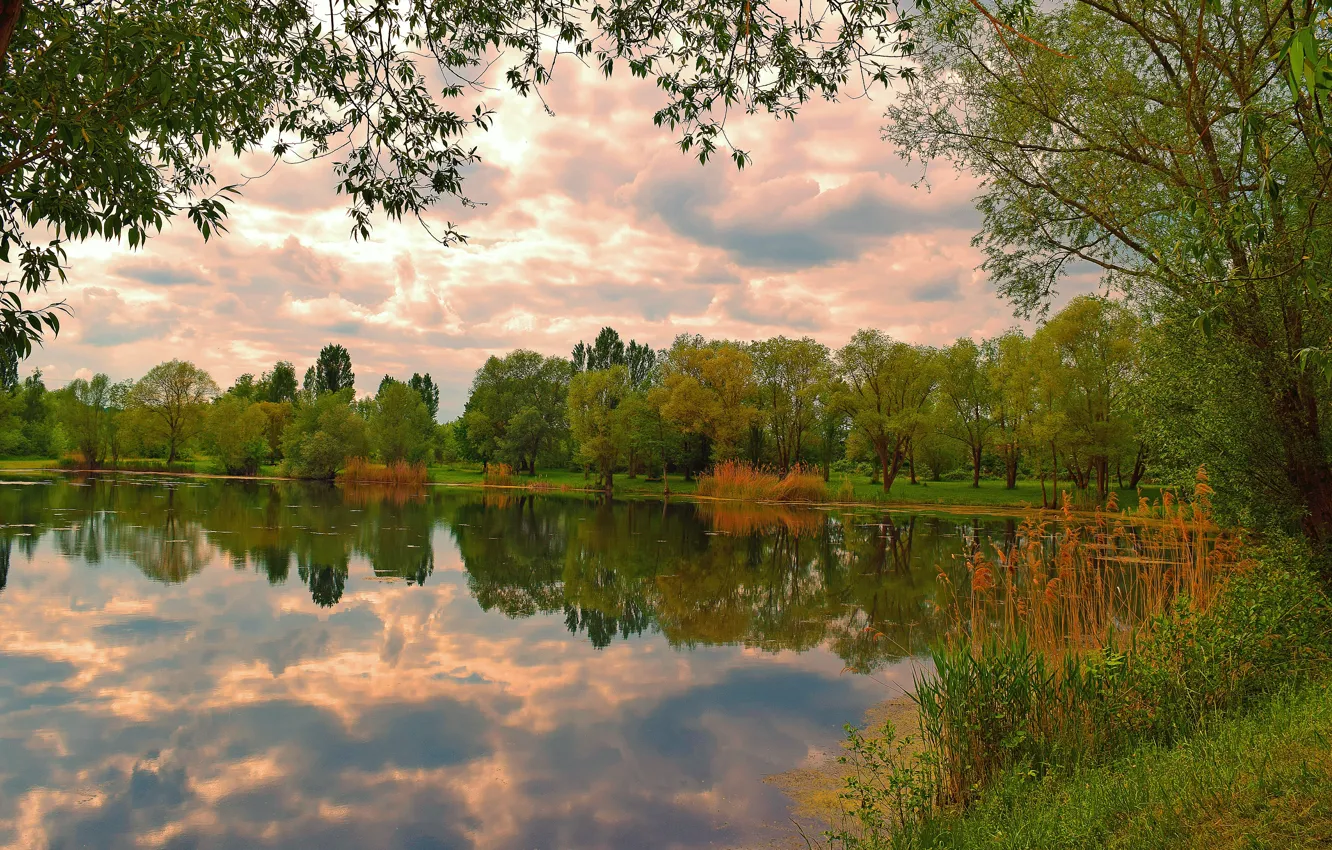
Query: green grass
[1263, 780]
[28, 463]
[991, 492]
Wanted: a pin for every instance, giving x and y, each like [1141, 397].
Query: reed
[500, 475]
[358, 470]
[734, 479]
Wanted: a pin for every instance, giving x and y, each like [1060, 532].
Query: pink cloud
[591, 217]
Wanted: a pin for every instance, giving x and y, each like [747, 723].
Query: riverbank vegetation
[780, 419]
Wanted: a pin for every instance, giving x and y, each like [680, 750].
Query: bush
[738, 480]
[322, 435]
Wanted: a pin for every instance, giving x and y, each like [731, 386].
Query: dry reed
[734, 479]
[400, 473]
[500, 475]
[1094, 581]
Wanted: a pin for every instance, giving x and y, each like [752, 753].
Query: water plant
[734, 479]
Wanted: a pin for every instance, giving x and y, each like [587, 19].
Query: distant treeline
[1063, 404]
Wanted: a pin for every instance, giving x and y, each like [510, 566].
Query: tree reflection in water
[775, 579]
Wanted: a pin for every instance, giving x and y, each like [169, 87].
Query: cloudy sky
[592, 217]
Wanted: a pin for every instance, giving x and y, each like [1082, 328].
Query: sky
[591, 216]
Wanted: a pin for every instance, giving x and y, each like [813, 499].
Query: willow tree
[1167, 144]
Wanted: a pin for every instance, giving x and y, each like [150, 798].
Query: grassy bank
[1074, 697]
[991, 492]
[1258, 780]
[950, 494]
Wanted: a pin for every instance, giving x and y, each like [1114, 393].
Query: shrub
[739, 480]
[360, 471]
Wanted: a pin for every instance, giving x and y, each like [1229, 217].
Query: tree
[237, 428]
[173, 395]
[788, 373]
[322, 435]
[333, 370]
[522, 389]
[244, 387]
[279, 384]
[706, 390]
[1171, 154]
[400, 424]
[597, 424]
[8, 368]
[966, 386]
[1090, 350]
[86, 411]
[113, 93]
[887, 385]
[1014, 402]
[429, 392]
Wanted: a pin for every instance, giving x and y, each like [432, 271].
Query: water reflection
[209, 664]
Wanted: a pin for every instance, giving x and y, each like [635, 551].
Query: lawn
[991, 492]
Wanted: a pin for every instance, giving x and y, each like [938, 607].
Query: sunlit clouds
[588, 217]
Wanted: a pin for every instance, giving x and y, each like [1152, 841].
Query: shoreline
[1022, 509]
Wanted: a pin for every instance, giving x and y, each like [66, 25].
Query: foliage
[322, 435]
[1159, 142]
[887, 386]
[429, 392]
[400, 425]
[173, 397]
[333, 370]
[141, 98]
[517, 411]
[278, 385]
[595, 417]
[705, 389]
[237, 430]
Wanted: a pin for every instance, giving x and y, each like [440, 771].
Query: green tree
[1014, 399]
[400, 424]
[429, 392]
[237, 430]
[173, 397]
[595, 418]
[244, 387]
[788, 374]
[322, 435]
[333, 370]
[1089, 350]
[1160, 142]
[116, 94]
[966, 388]
[522, 389]
[86, 408]
[279, 384]
[706, 389]
[887, 389]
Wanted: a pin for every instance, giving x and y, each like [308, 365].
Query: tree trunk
[1139, 467]
[609, 479]
[975, 466]
[10, 12]
[911, 460]
[1011, 467]
[1054, 477]
[883, 465]
[890, 473]
[171, 452]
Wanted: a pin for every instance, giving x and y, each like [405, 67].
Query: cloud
[592, 217]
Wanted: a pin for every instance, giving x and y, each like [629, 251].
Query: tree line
[177, 409]
[1061, 404]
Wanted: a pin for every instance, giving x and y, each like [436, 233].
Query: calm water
[225, 664]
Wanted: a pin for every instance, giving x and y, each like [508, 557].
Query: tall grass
[733, 479]
[358, 470]
[500, 475]
[1072, 645]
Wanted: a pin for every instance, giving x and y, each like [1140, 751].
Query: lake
[225, 664]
